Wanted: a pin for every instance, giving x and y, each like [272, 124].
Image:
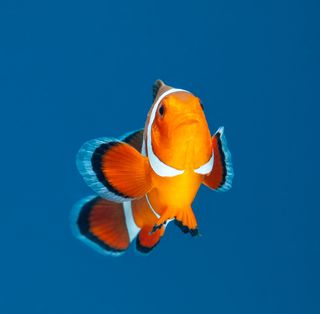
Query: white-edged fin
[159, 167]
[221, 176]
[84, 163]
[133, 229]
[78, 227]
[228, 162]
[207, 167]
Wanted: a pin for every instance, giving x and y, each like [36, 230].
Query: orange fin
[184, 219]
[221, 176]
[106, 226]
[114, 169]
[187, 222]
[147, 240]
[134, 139]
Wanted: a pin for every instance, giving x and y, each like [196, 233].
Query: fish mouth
[187, 119]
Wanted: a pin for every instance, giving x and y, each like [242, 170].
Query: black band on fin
[83, 223]
[134, 139]
[143, 249]
[185, 229]
[96, 161]
[220, 179]
[223, 157]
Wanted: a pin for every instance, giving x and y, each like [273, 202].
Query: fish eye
[161, 110]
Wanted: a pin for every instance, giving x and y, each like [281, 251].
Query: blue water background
[76, 70]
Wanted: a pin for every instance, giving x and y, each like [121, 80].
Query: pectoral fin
[114, 169]
[220, 178]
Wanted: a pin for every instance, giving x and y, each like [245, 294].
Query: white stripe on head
[159, 167]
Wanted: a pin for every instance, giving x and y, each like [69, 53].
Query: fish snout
[187, 119]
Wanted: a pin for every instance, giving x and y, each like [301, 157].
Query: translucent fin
[105, 226]
[114, 169]
[220, 179]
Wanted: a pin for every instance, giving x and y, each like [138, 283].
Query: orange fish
[149, 177]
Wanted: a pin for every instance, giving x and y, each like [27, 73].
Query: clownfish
[149, 177]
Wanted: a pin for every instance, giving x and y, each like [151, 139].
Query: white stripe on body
[150, 206]
[206, 168]
[155, 212]
[133, 229]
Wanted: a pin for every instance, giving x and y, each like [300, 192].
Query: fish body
[151, 176]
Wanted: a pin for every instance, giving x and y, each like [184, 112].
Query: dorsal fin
[134, 139]
[156, 86]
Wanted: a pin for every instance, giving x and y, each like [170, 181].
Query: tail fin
[104, 225]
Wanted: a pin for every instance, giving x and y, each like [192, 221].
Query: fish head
[179, 132]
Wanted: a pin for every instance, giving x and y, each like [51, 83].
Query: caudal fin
[104, 225]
